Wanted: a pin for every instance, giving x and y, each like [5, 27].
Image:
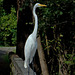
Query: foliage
[5, 58]
[1, 7]
[56, 23]
[8, 27]
[57, 30]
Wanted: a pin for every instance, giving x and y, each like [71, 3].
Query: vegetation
[57, 30]
[5, 58]
[58, 35]
[8, 26]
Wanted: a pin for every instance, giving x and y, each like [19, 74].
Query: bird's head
[40, 5]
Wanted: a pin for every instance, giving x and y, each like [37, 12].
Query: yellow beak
[42, 5]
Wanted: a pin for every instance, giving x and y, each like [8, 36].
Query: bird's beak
[42, 5]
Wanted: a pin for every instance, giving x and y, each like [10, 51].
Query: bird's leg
[33, 66]
[25, 65]
[28, 67]
[28, 70]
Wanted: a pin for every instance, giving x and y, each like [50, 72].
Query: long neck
[36, 23]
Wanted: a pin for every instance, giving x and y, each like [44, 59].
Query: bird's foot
[25, 66]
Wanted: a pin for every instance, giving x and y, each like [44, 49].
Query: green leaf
[20, 9]
[52, 27]
[69, 62]
[61, 13]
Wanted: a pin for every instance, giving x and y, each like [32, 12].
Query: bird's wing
[28, 46]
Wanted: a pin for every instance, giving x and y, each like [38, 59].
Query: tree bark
[42, 59]
[24, 16]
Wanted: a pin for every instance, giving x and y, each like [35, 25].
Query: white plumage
[31, 43]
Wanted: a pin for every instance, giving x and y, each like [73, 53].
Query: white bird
[31, 43]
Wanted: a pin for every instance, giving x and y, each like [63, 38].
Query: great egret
[31, 43]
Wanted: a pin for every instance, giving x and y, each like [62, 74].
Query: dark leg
[28, 67]
[33, 67]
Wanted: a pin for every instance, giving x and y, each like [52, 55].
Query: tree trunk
[24, 16]
[42, 59]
